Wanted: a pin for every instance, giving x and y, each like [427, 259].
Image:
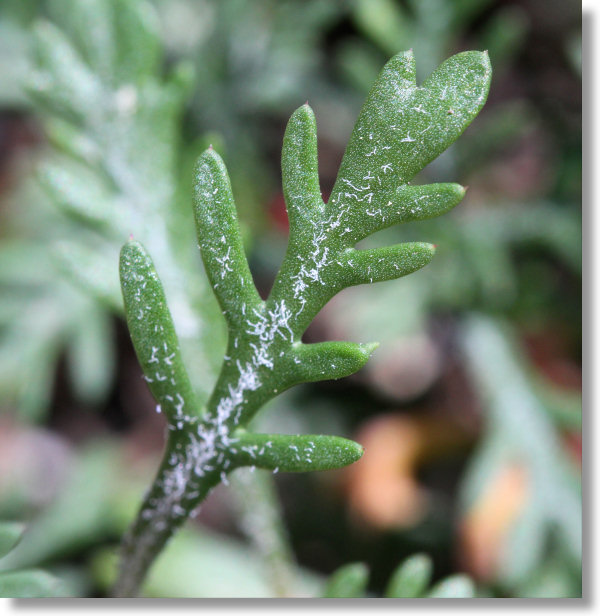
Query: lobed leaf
[403, 127]
[400, 129]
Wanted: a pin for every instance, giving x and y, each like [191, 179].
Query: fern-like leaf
[401, 128]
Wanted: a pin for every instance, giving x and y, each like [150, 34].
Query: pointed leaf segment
[400, 129]
[153, 335]
[307, 452]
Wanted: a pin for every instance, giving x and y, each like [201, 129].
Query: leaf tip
[304, 111]
[130, 245]
[358, 451]
[369, 347]
[208, 165]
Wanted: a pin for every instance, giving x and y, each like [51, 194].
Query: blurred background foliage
[470, 411]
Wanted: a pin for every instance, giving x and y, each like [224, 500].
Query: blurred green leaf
[519, 431]
[199, 563]
[348, 582]
[82, 513]
[23, 583]
[10, 533]
[453, 587]
[411, 578]
[29, 584]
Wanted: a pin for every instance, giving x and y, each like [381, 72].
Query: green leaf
[409, 203]
[90, 355]
[29, 584]
[63, 83]
[97, 45]
[137, 38]
[80, 194]
[220, 240]
[453, 587]
[97, 82]
[300, 169]
[293, 453]
[306, 363]
[379, 264]
[411, 578]
[153, 335]
[348, 582]
[495, 363]
[401, 128]
[23, 583]
[10, 533]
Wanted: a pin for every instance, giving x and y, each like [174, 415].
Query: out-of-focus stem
[261, 520]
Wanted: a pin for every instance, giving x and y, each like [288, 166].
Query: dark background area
[485, 483]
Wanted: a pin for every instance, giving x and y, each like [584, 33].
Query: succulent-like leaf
[348, 582]
[411, 578]
[220, 240]
[298, 453]
[401, 128]
[153, 334]
[453, 587]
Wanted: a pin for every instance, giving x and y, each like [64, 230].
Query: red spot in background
[548, 350]
[278, 212]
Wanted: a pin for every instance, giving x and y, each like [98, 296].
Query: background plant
[523, 194]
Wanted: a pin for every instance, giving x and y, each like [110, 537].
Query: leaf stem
[169, 503]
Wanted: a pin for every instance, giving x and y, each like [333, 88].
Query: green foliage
[113, 122]
[76, 216]
[10, 533]
[549, 530]
[23, 583]
[434, 29]
[411, 580]
[253, 62]
[95, 503]
[453, 587]
[348, 582]
[402, 127]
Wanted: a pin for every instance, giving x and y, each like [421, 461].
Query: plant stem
[175, 493]
[261, 520]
